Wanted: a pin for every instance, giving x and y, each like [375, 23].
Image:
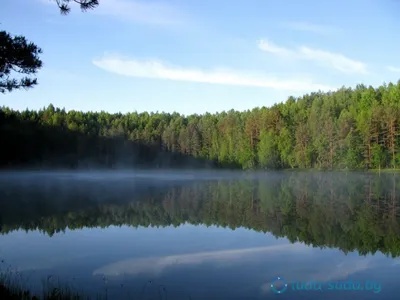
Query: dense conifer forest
[345, 129]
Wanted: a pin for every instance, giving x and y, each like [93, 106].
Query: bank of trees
[347, 128]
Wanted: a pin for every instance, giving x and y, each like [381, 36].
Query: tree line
[56, 139]
[350, 212]
[348, 128]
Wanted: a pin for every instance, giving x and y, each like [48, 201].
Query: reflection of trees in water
[351, 212]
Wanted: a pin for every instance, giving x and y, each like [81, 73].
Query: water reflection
[155, 265]
[171, 236]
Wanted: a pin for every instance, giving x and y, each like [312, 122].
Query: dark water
[194, 235]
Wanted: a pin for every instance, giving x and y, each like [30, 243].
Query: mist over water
[201, 234]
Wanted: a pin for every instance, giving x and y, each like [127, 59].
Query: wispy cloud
[324, 58]
[159, 70]
[309, 27]
[275, 49]
[393, 69]
[334, 60]
[157, 13]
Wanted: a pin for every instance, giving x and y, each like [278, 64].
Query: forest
[354, 212]
[345, 129]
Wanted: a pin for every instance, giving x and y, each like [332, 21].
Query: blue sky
[193, 56]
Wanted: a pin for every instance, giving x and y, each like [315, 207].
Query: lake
[203, 235]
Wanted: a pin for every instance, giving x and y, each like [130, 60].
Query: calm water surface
[199, 235]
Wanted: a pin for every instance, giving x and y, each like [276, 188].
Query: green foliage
[268, 154]
[346, 129]
[53, 138]
[378, 156]
[285, 143]
[18, 57]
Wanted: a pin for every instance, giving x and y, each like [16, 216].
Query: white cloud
[159, 70]
[272, 48]
[136, 11]
[332, 60]
[393, 69]
[314, 28]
